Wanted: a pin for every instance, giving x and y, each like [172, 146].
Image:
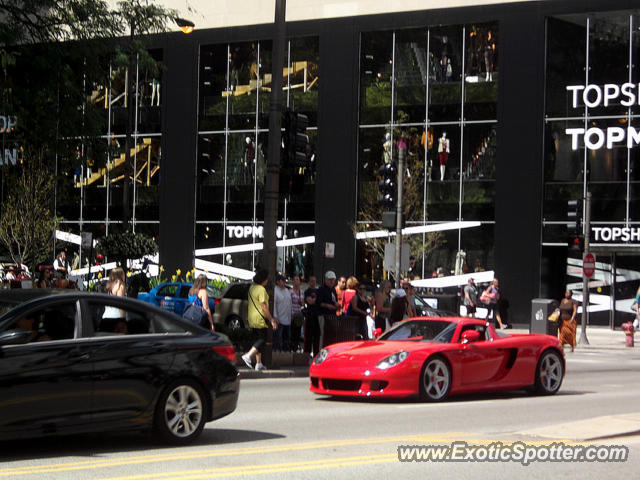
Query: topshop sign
[597, 96]
[610, 235]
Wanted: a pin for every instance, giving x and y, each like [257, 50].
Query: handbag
[196, 314]
[485, 298]
[555, 315]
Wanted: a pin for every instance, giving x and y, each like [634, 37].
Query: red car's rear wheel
[435, 380]
[549, 373]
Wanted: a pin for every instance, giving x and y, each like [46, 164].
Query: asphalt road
[280, 430]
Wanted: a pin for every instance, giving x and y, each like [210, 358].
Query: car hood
[369, 353]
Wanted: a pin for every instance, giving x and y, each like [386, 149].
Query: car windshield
[424, 330]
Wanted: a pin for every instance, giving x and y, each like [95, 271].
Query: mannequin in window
[488, 57]
[386, 148]
[443, 153]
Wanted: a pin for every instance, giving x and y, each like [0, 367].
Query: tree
[27, 224]
[120, 247]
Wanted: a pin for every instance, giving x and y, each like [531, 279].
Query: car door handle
[78, 356]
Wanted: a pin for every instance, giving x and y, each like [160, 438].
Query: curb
[294, 372]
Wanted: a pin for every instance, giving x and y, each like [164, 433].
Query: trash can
[541, 308]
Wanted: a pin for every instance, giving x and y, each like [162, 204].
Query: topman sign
[594, 96]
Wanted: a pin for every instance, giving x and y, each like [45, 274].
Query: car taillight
[227, 351]
[216, 301]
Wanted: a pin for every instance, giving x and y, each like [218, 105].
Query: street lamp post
[272, 184]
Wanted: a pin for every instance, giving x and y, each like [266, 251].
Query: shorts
[261, 338]
[470, 309]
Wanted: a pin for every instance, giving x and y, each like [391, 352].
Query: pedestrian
[327, 296]
[297, 318]
[282, 310]
[199, 296]
[383, 304]
[112, 315]
[568, 310]
[359, 307]
[60, 264]
[44, 279]
[411, 299]
[398, 307]
[11, 274]
[470, 297]
[491, 297]
[341, 287]
[311, 324]
[259, 318]
[636, 306]
[349, 293]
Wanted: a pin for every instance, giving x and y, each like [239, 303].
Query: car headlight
[392, 360]
[321, 357]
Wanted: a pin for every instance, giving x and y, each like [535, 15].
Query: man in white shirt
[60, 264]
[282, 311]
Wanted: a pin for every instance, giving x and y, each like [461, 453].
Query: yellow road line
[191, 454]
[266, 468]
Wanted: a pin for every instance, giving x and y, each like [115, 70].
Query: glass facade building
[473, 100]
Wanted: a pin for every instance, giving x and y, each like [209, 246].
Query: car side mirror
[15, 337]
[377, 332]
[470, 336]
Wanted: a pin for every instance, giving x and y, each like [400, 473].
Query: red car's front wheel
[435, 380]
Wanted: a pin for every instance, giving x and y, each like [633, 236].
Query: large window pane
[411, 75]
[481, 72]
[376, 64]
[566, 60]
[445, 92]
[214, 62]
[479, 164]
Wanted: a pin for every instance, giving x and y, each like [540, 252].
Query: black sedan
[80, 362]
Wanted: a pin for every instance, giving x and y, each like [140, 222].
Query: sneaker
[260, 367]
[504, 326]
[247, 359]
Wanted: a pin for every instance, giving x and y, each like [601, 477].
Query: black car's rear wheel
[180, 413]
[549, 373]
[435, 380]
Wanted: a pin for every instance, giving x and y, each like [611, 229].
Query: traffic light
[575, 237]
[296, 140]
[388, 185]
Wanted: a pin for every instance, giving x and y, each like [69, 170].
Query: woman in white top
[116, 287]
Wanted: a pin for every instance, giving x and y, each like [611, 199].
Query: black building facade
[493, 78]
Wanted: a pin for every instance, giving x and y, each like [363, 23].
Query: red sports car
[438, 357]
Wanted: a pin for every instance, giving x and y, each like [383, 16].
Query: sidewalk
[599, 338]
[286, 365]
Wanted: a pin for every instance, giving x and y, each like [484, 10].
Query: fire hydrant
[628, 330]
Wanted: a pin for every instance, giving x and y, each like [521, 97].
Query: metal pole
[272, 186]
[126, 215]
[585, 281]
[398, 265]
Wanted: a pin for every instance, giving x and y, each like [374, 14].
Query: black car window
[111, 320]
[50, 323]
[238, 291]
[162, 324]
[167, 291]
[184, 291]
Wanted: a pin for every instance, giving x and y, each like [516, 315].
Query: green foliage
[126, 245]
[27, 223]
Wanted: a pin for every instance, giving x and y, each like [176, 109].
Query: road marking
[143, 459]
[243, 470]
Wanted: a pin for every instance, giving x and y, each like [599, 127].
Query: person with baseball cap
[327, 295]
